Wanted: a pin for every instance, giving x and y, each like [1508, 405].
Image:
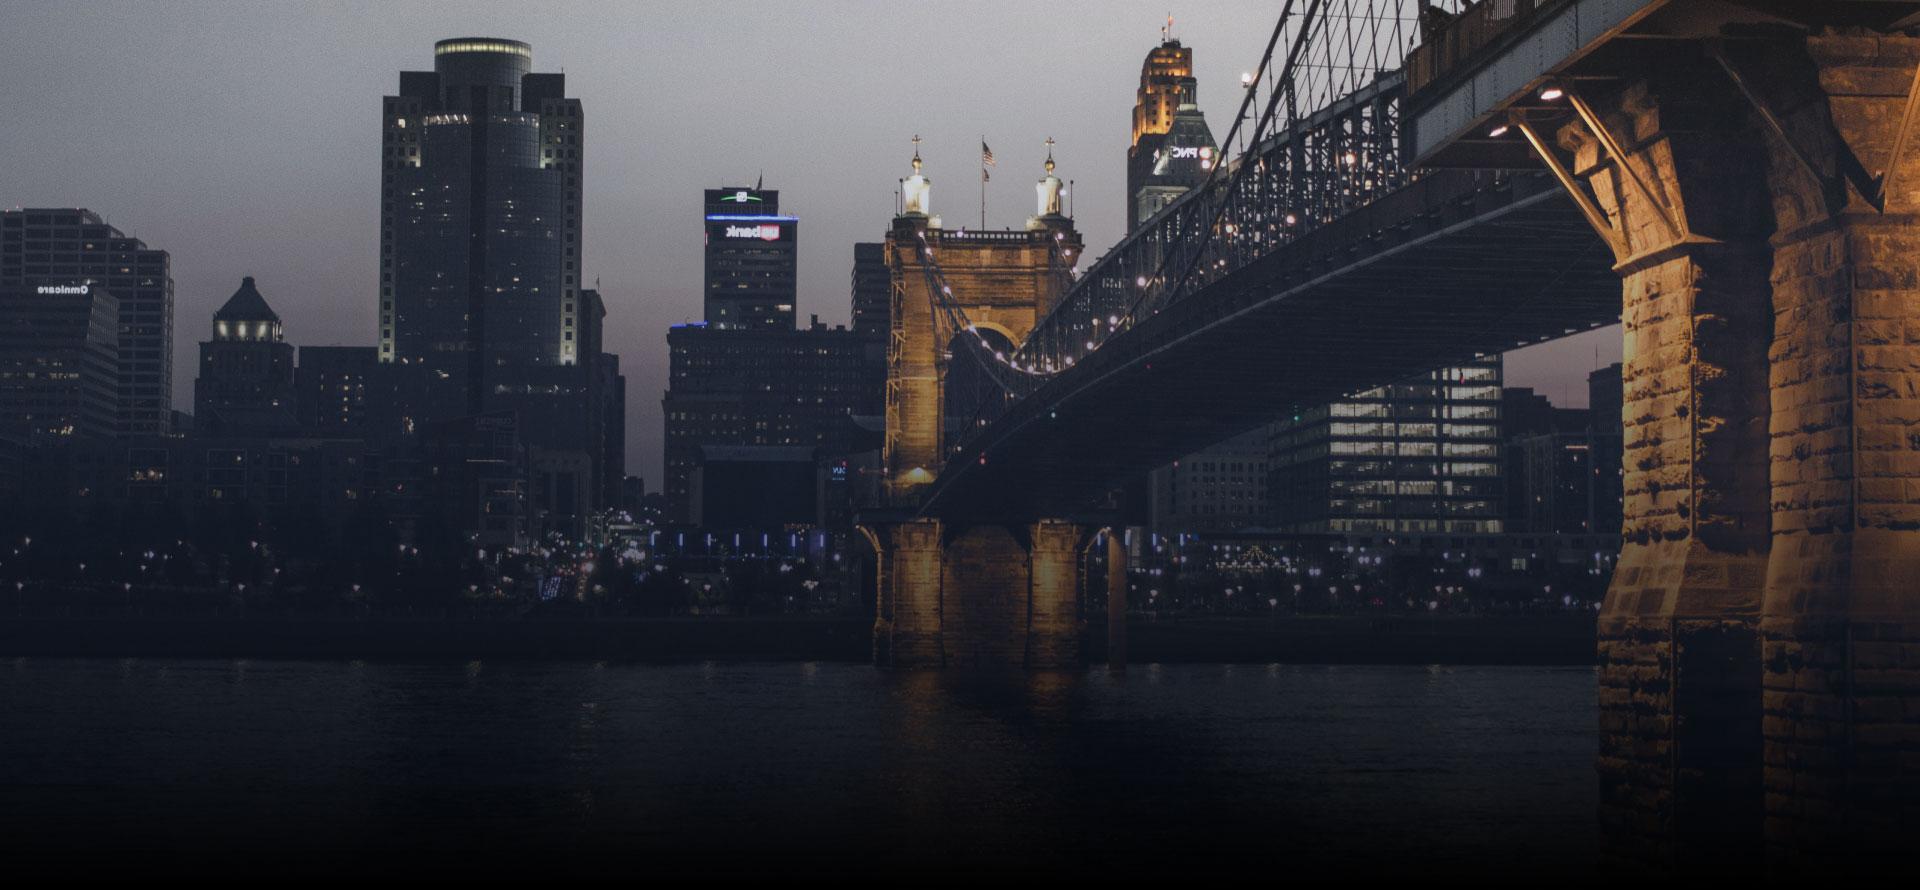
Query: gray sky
[244, 138]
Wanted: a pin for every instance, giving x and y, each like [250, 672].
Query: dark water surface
[496, 769]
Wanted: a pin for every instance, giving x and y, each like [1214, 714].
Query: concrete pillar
[1679, 736]
[1117, 599]
[1841, 619]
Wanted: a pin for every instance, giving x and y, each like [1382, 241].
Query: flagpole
[983, 181]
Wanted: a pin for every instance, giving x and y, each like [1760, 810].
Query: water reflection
[625, 769]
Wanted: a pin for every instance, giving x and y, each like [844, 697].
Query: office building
[1172, 150]
[789, 388]
[872, 289]
[751, 282]
[1421, 456]
[59, 362]
[480, 222]
[245, 386]
[72, 246]
[340, 392]
[1607, 436]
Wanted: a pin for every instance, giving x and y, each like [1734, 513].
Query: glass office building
[42, 246]
[1421, 456]
[480, 222]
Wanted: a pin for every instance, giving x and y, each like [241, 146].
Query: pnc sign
[762, 232]
[1180, 152]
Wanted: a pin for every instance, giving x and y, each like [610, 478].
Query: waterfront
[490, 768]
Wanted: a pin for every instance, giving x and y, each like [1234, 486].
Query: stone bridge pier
[979, 596]
[1760, 646]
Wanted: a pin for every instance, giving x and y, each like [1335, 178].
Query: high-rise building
[245, 387]
[1421, 456]
[751, 282]
[480, 222]
[1221, 488]
[872, 289]
[1172, 150]
[59, 368]
[483, 304]
[69, 246]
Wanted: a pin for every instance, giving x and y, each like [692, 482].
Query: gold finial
[1049, 155]
[916, 154]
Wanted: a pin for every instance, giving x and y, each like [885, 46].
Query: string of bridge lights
[1224, 209]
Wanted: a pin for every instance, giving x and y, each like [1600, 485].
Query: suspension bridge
[1411, 184]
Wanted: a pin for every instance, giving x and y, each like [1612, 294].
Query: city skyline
[288, 200]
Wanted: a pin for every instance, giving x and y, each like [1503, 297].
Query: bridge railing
[1316, 137]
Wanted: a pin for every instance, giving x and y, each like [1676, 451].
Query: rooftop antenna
[1166, 30]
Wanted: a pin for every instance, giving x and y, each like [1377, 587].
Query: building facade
[872, 289]
[791, 388]
[246, 381]
[751, 277]
[59, 362]
[1221, 489]
[1421, 456]
[1172, 149]
[54, 247]
[480, 223]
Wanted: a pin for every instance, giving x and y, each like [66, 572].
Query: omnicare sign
[61, 289]
[762, 232]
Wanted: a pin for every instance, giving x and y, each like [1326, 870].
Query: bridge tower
[1002, 593]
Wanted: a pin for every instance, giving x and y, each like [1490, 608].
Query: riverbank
[1530, 639]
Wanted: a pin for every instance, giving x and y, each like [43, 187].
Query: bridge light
[1551, 93]
[1246, 78]
[1497, 132]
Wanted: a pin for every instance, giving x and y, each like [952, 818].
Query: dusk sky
[244, 138]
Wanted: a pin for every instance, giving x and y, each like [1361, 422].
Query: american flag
[986, 154]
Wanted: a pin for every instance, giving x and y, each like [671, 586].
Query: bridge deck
[1451, 266]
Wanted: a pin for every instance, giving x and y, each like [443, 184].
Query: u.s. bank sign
[762, 232]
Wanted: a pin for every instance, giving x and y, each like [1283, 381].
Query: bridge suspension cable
[1316, 136]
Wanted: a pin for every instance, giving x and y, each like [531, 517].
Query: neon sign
[764, 233]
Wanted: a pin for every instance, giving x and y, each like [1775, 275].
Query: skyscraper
[58, 247]
[1172, 150]
[245, 385]
[479, 222]
[751, 281]
[482, 303]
